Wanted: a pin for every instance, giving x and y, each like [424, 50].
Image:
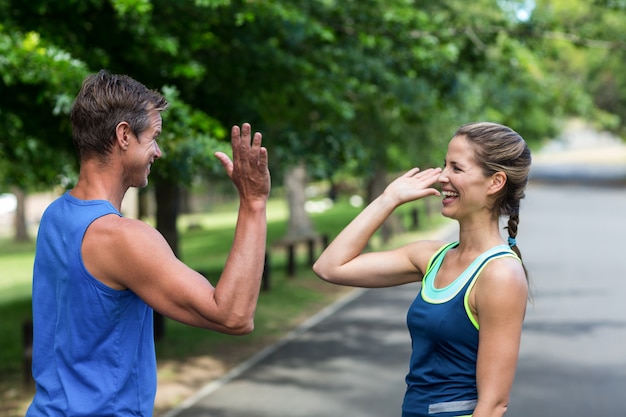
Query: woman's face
[463, 184]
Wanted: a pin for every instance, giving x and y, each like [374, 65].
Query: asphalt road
[573, 353]
[352, 359]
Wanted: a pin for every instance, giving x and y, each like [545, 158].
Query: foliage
[349, 87]
[48, 47]
[337, 84]
[585, 45]
[189, 136]
[35, 74]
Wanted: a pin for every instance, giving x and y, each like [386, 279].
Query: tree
[331, 81]
[588, 47]
[45, 67]
[188, 143]
[35, 75]
[47, 56]
[381, 82]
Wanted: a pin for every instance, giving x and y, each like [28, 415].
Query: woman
[466, 321]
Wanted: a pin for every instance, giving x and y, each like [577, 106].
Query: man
[97, 275]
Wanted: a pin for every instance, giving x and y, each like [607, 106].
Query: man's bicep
[152, 271]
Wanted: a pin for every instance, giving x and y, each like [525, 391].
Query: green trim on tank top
[433, 295]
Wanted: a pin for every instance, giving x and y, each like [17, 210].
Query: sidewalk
[350, 360]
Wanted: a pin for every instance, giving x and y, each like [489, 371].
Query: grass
[204, 244]
[16, 264]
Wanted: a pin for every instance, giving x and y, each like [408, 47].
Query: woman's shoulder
[503, 274]
[501, 292]
[427, 247]
[422, 252]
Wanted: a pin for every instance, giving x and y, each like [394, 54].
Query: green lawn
[16, 265]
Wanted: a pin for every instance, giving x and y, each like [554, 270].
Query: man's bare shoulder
[115, 227]
[130, 238]
[115, 248]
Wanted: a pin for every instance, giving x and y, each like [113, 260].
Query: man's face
[145, 150]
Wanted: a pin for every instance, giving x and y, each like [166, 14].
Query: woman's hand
[413, 185]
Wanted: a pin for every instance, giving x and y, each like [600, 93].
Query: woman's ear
[122, 133]
[497, 182]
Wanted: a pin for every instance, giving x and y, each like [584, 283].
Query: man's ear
[122, 134]
[497, 182]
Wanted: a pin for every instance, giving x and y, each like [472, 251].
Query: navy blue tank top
[444, 336]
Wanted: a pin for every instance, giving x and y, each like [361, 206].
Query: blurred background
[346, 93]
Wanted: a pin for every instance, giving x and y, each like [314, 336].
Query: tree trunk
[299, 223]
[167, 196]
[19, 221]
[143, 203]
[185, 201]
[167, 205]
[376, 186]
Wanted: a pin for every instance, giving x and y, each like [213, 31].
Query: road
[573, 353]
[351, 360]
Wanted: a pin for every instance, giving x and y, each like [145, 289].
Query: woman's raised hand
[413, 185]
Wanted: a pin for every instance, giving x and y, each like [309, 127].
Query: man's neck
[95, 183]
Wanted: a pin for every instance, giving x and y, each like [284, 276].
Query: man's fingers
[235, 134]
[256, 141]
[242, 139]
[245, 132]
[246, 146]
[263, 157]
[225, 161]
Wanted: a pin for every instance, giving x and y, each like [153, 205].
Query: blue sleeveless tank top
[444, 335]
[93, 347]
